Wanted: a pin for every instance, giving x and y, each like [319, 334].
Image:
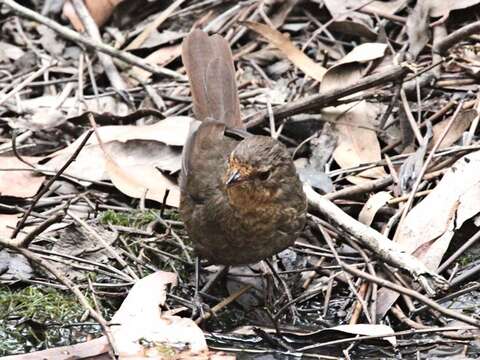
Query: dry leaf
[336, 332]
[364, 52]
[349, 69]
[134, 155]
[374, 203]
[100, 10]
[460, 125]
[103, 104]
[443, 7]
[171, 131]
[430, 225]
[368, 329]
[154, 25]
[142, 182]
[418, 30]
[8, 222]
[389, 7]
[17, 182]
[90, 164]
[296, 56]
[357, 140]
[9, 52]
[160, 57]
[140, 318]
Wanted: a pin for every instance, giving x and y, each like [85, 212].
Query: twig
[383, 247]
[459, 252]
[456, 36]
[107, 247]
[328, 98]
[224, 303]
[76, 37]
[25, 82]
[427, 164]
[49, 183]
[92, 30]
[412, 293]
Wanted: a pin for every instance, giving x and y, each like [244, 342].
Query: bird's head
[256, 169]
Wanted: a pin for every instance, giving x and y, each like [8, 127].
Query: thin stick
[49, 183]
[415, 186]
[76, 37]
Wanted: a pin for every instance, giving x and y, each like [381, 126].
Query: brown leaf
[160, 57]
[291, 52]
[431, 224]
[142, 182]
[357, 140]
[461, 124]
[417, 28]
[17, 182]
[100, 10]
[374, 203]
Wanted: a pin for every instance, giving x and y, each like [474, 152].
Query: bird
[241, 199]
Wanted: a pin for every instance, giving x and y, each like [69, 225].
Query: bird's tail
[209, 64]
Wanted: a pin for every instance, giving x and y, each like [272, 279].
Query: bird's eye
[264, 175]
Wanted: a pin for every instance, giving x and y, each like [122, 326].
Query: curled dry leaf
[17, 179]
[374, 203]
[291, 52]
[348, 70]
[140, 318]
[349, 19]
[142, 182]
[131, 158]
[430, 225]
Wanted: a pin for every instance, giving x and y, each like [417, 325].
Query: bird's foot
[200, 309]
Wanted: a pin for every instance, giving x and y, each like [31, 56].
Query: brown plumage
[241, 201]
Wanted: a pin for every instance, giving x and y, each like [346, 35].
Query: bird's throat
[248, 199]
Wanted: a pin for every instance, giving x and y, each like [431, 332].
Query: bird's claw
[199, 307]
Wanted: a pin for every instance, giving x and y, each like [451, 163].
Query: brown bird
[241, 201]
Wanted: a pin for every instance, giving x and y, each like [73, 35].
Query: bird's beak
[234, 178]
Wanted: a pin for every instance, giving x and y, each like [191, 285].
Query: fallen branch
[455, 37]
[329, 98]
[382, 246]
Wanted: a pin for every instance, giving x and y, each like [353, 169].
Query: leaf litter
[370, 152]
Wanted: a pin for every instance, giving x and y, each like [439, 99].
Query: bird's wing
[204, 153]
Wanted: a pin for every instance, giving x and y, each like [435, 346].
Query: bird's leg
[197, 299]
[199, 305]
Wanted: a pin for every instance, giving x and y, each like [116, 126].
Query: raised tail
[209, 64]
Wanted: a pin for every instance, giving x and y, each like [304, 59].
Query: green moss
[34, 318]
[137, 218]
[37, 303]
